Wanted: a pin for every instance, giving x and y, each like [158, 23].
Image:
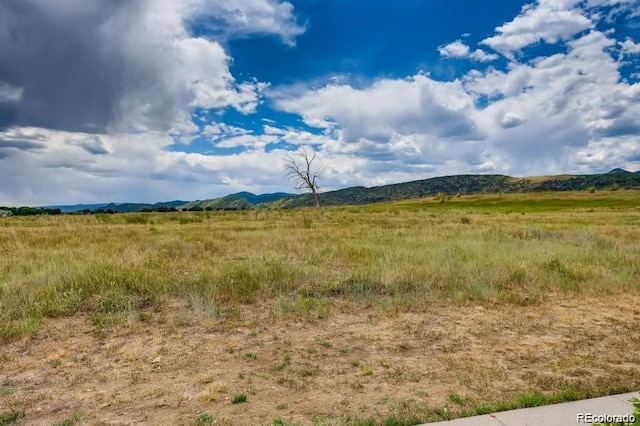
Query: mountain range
[448, 185]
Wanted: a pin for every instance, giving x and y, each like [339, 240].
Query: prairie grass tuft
[238, 398]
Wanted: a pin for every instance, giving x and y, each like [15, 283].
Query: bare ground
[167, 367]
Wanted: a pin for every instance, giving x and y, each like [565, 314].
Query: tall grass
[409, 255]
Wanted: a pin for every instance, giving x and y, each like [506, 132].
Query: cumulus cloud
[54, 166]
[530, 118]
[218, 130]
[629, 47]
[414, 105]
[511, 119]
[241, 18]
[458, 49]
[547, 20]
[115, 65]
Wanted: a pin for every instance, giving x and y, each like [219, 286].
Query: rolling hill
[465, 185]
[448, 185]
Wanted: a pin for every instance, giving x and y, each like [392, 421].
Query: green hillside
[466, 185]
[445, 185]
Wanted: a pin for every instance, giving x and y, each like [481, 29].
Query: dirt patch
[168, 367]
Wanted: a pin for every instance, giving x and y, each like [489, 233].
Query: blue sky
[155, 100]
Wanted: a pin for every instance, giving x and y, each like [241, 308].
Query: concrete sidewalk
[552, 415]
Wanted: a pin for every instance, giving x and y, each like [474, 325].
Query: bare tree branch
[300, 174]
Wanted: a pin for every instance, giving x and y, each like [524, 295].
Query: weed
[323, 342]
[55, 363]
[311, 308]
[204, 419]
[286, 360]
[366, 370]
[455, 398]
[308, 370]
[10, 417]
[71, 420]
[238, 398]
[250, 356]
[6, 389]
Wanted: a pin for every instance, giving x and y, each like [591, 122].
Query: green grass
[9, 417]
[238, 398]
[412, 412]
[204, 419]
[6, 389]
[71, 420]
[516, 248]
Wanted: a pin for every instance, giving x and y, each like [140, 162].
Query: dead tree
[302, 174]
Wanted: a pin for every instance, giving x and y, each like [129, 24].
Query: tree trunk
[316, 198]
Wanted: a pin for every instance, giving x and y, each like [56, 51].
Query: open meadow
[394, 313]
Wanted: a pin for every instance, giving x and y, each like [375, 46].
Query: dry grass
[480, 297]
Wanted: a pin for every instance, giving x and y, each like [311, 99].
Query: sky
[157, 100]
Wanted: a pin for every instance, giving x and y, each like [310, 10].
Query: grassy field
[389, 313]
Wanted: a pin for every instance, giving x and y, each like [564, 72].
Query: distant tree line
[35, 211]
[161, 209]
[31, 211]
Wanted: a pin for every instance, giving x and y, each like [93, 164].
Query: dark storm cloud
[24, 145]
[62, 57]
[22, 141]
[16, 142]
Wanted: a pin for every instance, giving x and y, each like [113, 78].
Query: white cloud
[629, 47]
[219, 130]
[482, 56]
[540, 116]
[51, 167]
[511, 119]
[239, 18]
[547, 20]
[458, 49]
[414, 105]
